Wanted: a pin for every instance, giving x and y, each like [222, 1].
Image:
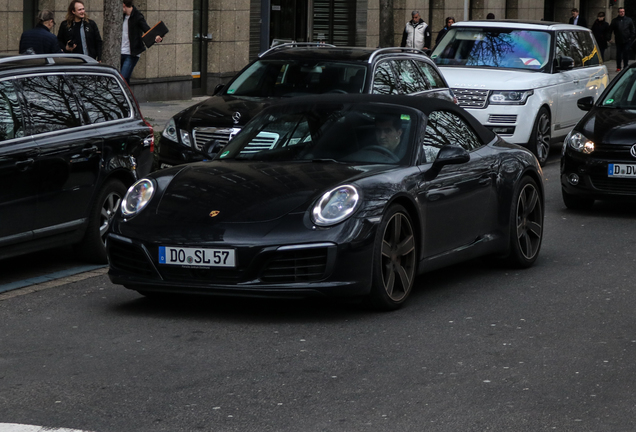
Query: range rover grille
[471, 98]
[502, 118]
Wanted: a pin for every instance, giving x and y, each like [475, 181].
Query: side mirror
[565, 63]
[212, 148]
[448, 155]
[585, 103]
[218, 88]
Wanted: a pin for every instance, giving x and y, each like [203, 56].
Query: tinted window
[103, 97]
[579, 46]
[445, 128]
[494, 47]
[623, 93]
[11, 122]
[384, 82]
[409, 75]
[430, 75]
[51, 103]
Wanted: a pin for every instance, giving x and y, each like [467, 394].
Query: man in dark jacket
[40, 40]
[624, 32]
[132, 45]
[416, 33]
[577, 19]
[602, 33]
[78, 34]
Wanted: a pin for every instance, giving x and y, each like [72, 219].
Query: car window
[431, 75]
[494, 47]
[50, 103]
[622, 94]
[445, 128]
[103, 97]
[590, 53]
[412, 80]
[579, 46]
[11, 121]
[384, 81]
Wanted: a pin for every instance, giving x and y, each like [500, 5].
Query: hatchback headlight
[137, 198]
[336, 205]
[514, 97]
[577, 141]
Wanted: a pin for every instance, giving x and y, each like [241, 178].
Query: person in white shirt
[132, 45]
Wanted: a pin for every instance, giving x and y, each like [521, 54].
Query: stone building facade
[210, 40]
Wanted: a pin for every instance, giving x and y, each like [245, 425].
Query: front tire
[394, 260]
[93, 248]
[541, 136]
[526, 224]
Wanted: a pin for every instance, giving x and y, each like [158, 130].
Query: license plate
[196, 257]
[621, 170]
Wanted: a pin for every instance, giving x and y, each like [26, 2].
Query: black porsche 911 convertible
[346, 196]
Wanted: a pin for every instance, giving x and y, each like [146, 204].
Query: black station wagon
[72, 140]
[291, 70]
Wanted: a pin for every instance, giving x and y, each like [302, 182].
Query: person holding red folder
[132, 45]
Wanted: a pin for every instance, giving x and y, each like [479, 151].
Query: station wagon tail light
[150, 139]
[137, 197]
[336, 205]
[577, 141]
[515, 97]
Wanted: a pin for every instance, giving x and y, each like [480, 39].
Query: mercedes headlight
[577, 141]
[336, 205]
[137, 198]
[170, 131]
[510, 97]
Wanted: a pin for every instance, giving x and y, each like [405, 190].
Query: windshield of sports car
[287, 78]
[356, 134]
[495, 48]
[623, 93]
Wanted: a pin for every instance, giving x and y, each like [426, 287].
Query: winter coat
[137, 26]
[40, 40]
[91, 32]
[581, 22]
[416, 35]
[623, 29]
[602, 33]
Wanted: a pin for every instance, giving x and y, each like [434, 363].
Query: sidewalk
[158, 113]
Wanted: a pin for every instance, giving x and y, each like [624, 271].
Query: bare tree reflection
[384, 81]
[11, 123]
[493, 50]
[49, 106]
[103, 97]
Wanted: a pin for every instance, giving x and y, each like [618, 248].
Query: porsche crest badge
[214, 213]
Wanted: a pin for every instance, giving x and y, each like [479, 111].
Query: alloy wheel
[543, 137]
[398, 257]
[529, 221]
[108, 211]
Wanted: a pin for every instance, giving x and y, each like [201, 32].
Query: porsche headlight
[137, 197]
[170, 131]
[515, 97]
[577, 141]
[336, 205]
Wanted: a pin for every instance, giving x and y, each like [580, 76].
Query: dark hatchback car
[599, 155]
[354, 198]
[72, 140]
[288, 71]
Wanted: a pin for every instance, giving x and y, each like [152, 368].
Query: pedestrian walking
[132, 45]
[577, 19]
[40, 40]
[78, 34]
[449, 22]
[416, 33]
[624, 33]
[601, 32]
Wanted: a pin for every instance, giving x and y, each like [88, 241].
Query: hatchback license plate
[197, 257]
[621, 170]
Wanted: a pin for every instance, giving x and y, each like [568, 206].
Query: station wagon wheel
[92, 248]
[526, 224]
[541, 136]
[395, 260]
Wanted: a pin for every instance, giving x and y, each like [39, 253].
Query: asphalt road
[477, 348]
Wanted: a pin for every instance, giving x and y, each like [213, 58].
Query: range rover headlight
[170, 131]
[510, 97]
[336, 205]
[577, 141]
[137, 197]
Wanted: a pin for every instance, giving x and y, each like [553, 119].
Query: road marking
[15, 427]
[51, 280]
[48, 277]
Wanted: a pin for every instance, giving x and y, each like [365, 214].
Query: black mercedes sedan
[350, 196]
[598, 160]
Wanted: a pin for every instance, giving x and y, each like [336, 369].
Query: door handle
[24, 164]
[575, 81]
[89, 150]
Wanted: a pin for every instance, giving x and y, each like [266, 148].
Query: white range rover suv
[522, 79]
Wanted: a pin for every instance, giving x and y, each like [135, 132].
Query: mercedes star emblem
[236, 117]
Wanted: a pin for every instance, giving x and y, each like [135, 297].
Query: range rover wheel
[92, 248]
[394, 260]
[541, 136]
[526, 224]
[574, 202]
